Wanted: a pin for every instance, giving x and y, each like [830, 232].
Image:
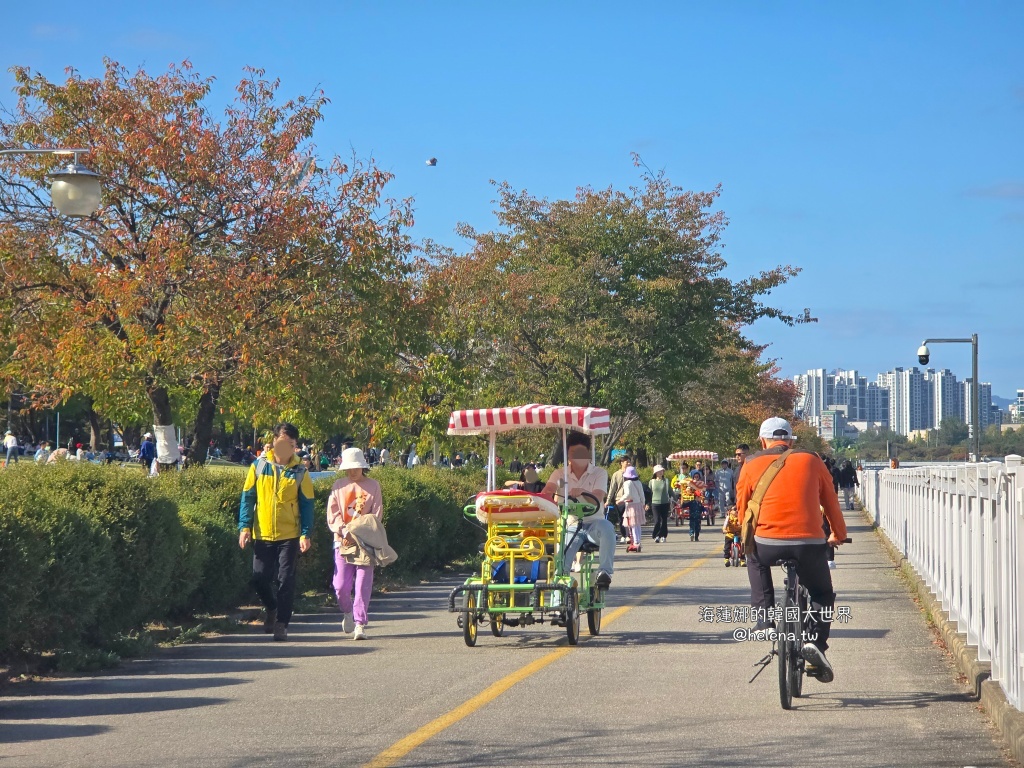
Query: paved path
[657, 688]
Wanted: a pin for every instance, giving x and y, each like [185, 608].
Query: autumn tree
[614, 298]
[225, 260]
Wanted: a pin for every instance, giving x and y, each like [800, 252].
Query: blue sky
[876, 145]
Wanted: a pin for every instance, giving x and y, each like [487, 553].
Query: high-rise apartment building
[910, 405]
[946, 397]
[1017, 408]
[986, 414]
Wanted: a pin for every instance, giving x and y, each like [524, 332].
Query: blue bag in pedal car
[527, 572]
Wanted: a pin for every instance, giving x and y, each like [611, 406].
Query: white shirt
[10, 441]
[594, 480]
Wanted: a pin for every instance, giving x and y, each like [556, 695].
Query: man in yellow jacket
[276, 514]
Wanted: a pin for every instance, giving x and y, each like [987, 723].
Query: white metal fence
[961, 527]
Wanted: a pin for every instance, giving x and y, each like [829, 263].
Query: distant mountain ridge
[1002, 402]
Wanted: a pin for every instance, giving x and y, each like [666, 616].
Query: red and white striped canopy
[680, 455]
[483, 421]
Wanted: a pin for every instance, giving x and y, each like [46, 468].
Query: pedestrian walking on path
[10, 447]
[276, 514]
[847, 480]
[631, 496]
[353, 496]
[661, 499]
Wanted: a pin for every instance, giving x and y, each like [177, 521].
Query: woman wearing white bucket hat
[355, 494]
[661, 500]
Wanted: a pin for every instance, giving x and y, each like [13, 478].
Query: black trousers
[812, 569]
[660, 520]
[273, 575]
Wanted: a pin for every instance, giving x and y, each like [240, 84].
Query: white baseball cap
[776, 429]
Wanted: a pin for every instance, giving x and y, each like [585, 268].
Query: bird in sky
[806, 317]
[432, 162]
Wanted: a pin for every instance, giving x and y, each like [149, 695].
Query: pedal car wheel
[469, 620]
[572, 617]
[497, 624]
[594, 621]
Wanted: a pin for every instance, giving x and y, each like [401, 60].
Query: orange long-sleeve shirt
[791, 508]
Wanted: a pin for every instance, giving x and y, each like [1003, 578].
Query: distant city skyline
[904, 400]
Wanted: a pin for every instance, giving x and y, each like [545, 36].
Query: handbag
[754, 504]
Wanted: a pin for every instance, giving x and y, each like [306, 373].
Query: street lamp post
[974, 428]
[75, 190]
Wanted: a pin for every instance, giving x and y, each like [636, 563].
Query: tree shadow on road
[57, 708]
[25, 732]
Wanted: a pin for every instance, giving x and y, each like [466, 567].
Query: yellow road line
[404, 746]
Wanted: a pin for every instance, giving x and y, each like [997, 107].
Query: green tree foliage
[614, 298]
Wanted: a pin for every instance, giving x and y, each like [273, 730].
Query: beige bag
[754, 504]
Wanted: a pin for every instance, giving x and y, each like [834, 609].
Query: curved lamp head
[75, 190]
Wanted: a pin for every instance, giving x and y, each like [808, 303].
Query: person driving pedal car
[585, 478]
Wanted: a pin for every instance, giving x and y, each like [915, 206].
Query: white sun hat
[776, 429]
[352, 458]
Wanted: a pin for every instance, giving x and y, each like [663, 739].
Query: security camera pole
[974, 428]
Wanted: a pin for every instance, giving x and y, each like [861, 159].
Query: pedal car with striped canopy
[523, 579]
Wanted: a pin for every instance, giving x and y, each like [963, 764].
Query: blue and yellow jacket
[284, 507]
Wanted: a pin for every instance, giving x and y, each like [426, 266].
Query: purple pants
[347, 576]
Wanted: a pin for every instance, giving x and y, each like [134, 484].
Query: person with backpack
[276, 515]
[781, 496]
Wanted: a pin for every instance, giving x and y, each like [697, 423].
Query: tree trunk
[94, 428]
[641, 457]
[160, 402]
[204, 424]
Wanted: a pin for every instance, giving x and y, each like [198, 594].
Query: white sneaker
[346, 623]
[360, 633]
[831, 565]
[574, 568]
[817, 664]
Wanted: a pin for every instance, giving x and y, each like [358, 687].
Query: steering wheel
[589, 501]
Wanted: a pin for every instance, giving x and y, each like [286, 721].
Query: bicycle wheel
[469, 620]
[797, 671]
[785, 649]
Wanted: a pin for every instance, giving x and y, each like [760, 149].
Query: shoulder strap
[261, 464]
[767, 477]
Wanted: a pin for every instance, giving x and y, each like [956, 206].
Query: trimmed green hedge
[88, 552]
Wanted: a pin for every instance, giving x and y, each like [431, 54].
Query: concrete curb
[1004, 716]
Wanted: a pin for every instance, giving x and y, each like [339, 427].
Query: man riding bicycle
[789, 527]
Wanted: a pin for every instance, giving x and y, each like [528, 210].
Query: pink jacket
[349, 495]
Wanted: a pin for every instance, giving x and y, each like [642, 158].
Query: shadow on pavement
[109, 686]
[880, 699]
[86, 706]
[11, 734]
